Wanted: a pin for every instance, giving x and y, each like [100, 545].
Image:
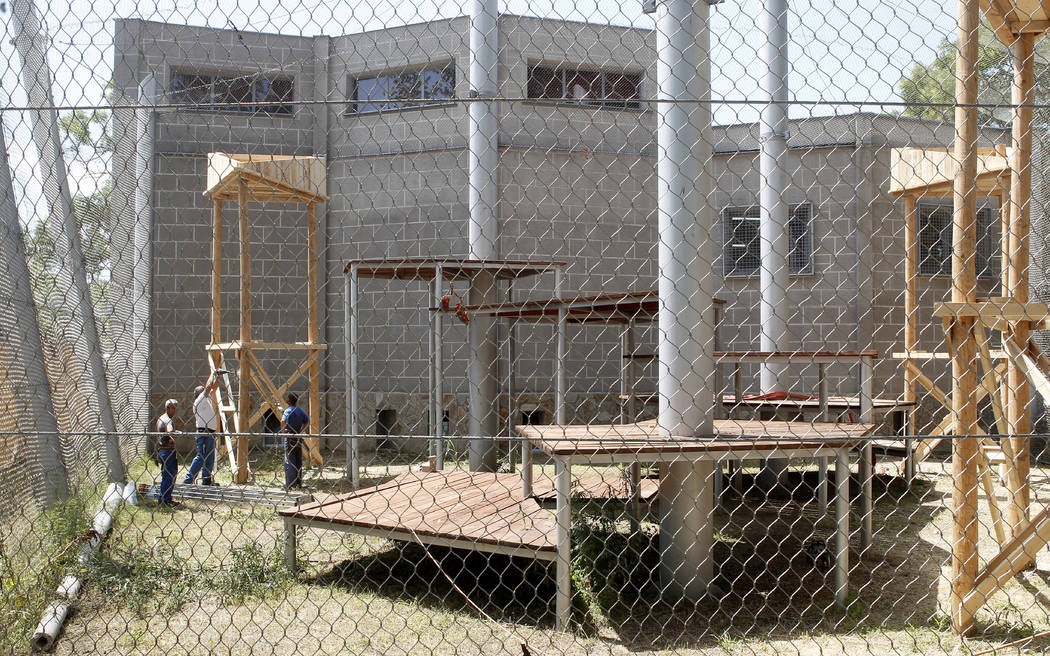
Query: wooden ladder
[229, 420]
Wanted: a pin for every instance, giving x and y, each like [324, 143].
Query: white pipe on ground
[686, 318]
[483, 128]
[78, 311]
[54, 616]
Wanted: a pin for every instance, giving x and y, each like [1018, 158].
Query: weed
[253, 572]
[146, 581]
[610, 567]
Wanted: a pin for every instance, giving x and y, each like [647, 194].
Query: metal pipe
[77, 310]
[439, 391]
[559, 355]
[142, 287]
[775, 244]
[353, 461]
[686, 349]
[483, 128]
[19, 323]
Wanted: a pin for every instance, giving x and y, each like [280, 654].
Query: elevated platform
[467, 510]
[732, 439]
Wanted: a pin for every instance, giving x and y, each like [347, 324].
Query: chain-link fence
[682, 327]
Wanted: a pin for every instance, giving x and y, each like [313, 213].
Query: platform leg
[841, 527]
[822, 488]
[866, 473]
[289, 545]
[635, 509]
[563, 603]
[526, 469]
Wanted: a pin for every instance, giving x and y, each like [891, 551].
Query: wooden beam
[964, 289]
[303, 368]
[1029, 367]
[1016, 555]
[244, 407]
[989, 491]
[924, 380]
[990, 312]
[263, 346]
[911, 299]
[276, 395]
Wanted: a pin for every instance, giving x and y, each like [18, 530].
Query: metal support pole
[563, 517]
[775, 244]
[511, 354]
[438, 367]
[353, 460]
[77, 313]
[866, 470]
[842, 527]
[822, 462]
[560, 380]
[686, 282]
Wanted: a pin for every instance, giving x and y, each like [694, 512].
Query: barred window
[229, 93]
[617, 89]
[935, 240]
[402, 89]
[742, 252]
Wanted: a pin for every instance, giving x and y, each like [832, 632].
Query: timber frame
[261, 178]
[965, 319]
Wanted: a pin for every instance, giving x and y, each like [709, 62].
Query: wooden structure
[262, 178]
[965, 319]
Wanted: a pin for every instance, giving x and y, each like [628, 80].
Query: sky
[841, 52]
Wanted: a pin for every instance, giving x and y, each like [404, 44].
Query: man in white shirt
[206, 417]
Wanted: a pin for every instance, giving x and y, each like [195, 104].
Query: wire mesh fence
[677, 327]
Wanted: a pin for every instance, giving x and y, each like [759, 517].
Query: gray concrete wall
[577, 184]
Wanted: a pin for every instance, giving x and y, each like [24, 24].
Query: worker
[206, 417]
[294, 422]
[166, 453]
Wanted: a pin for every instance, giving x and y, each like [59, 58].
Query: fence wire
[680, 327]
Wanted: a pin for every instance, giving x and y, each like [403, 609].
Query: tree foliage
[929, 89]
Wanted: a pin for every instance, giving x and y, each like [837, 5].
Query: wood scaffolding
[966, 318]
[262, 178]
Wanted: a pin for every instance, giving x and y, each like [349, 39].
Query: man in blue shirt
[294, 422]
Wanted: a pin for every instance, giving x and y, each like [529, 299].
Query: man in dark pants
[206, 417]
[166, 453]
[293, 423]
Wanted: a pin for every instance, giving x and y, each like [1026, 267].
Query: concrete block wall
[577, 184]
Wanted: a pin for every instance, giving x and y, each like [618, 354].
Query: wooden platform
[732, 438]
[468, 510]
[834, 402]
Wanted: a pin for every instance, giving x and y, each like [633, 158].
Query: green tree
[88, 144]
[929, 87]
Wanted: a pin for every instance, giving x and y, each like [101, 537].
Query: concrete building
[577, 184]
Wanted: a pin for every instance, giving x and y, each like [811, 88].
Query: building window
[227, 93]
[402, 89]
[935, 240]
[742, 255]
[616, 89]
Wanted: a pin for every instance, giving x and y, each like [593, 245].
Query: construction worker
[206, 417]
[294, 422]
[166, 453]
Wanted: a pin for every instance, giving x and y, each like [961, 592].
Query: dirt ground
[210, 580]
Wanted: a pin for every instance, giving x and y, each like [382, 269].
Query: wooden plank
[303, 368]
[261, 346]
[985, 473]
[1016, 555]
[930, 386]
[993, 311]
[991, 388]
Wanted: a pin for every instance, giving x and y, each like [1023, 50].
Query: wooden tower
[262, 178]
[1017, 23]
